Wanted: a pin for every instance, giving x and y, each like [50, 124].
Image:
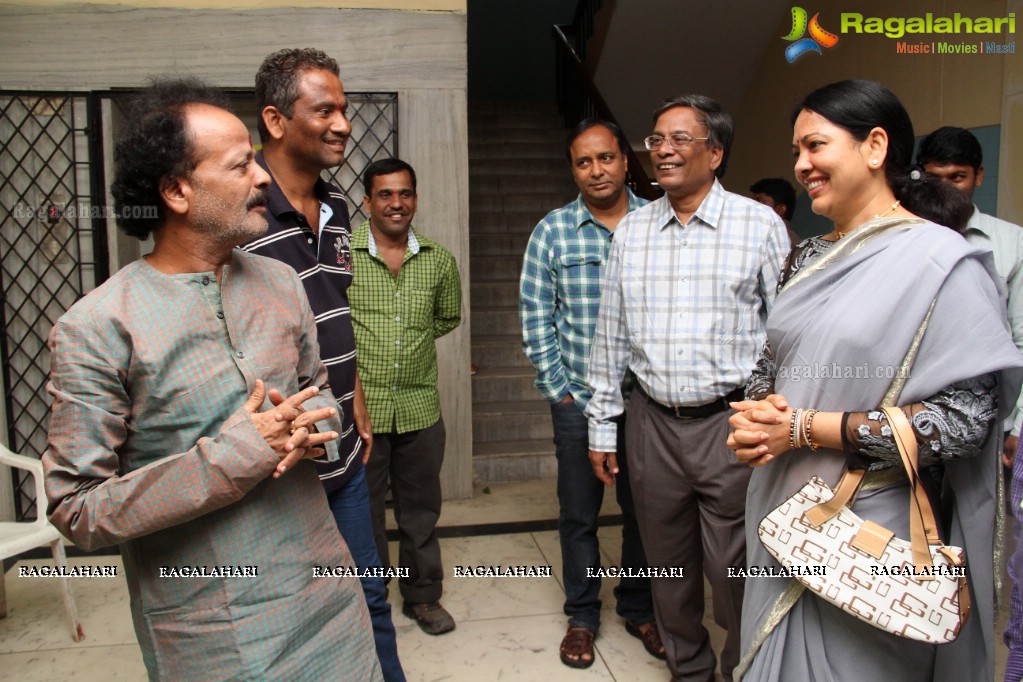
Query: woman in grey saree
[838, 335]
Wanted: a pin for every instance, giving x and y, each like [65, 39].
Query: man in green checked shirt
[405, 293]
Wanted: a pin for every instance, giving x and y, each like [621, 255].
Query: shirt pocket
[419, 309]
[580, 276]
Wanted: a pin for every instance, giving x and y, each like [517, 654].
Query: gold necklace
[887, 212]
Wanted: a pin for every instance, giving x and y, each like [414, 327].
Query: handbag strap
[923, 526]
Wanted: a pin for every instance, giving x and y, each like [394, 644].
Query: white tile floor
[508, 629]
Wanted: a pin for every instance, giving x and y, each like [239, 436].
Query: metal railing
[578, 96]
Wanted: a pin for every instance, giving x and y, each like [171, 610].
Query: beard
[225, 224]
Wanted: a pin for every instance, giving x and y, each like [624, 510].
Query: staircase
[517, 174]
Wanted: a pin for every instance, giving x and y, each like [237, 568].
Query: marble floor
[508, 628]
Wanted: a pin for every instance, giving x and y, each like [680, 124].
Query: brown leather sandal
[578, 642]
[651, 638]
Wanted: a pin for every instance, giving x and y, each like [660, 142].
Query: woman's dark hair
[155, 144]
[859, 106]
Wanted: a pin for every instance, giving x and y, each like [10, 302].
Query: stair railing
[578, 96]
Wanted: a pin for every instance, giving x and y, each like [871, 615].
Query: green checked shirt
[396, 321]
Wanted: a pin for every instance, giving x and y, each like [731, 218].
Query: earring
[873, 162]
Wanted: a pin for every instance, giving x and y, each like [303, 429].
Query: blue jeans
[580, 494]
[350, 506]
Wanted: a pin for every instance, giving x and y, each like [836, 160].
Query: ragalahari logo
[818, 36]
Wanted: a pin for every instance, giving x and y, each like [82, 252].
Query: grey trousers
[412, 461]
[690, 494]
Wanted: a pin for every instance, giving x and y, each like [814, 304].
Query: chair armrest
[34, 466]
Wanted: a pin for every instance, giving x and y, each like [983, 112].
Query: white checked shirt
[1006, 242]
[684, 306]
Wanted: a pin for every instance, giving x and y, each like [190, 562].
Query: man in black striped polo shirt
[304, 129]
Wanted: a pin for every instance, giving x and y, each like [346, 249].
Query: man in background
[559, 296]
[954, 155]
[405, 295]
[778, 195]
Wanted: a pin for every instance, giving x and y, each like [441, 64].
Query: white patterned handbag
[915, 589]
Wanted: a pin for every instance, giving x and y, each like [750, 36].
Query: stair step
[538, 201]
[512, 420]
[514, 120]
[498, 244]
[490, 268]
[494, 294]
[495, 320]
[490, 221]
[553, 167]
[501, 149]
[493, 135]
[517, 460]
[504, 384]
[514, 108]
[526, 183]
[503, 350]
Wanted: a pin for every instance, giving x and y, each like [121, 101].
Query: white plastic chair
[17, 537]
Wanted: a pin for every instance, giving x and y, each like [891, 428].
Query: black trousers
[412, 462]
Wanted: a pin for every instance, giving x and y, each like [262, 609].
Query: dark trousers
[350, 506]
[412, 461]
[690, 494]
[580, 494]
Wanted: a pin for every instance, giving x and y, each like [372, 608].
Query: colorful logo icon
[818, 36]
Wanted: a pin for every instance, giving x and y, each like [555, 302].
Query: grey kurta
[863, 302]
[150, 447]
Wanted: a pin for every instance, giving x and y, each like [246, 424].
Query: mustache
[260, 199]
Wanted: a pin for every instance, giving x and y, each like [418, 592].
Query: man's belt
[697, 411]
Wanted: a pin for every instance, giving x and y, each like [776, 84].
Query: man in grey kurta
[188, 395]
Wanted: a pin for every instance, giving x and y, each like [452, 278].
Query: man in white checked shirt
[689, 282]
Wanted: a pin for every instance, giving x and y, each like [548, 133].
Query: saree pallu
[840, 330]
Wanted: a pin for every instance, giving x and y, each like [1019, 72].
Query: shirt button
[310, 240]
[205, 281]
[396, 365]
[397, 294]
[394, 388]
[398, 318]
[241, 355]
[397, 342]
[220, 316]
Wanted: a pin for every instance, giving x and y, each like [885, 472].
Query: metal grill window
[45, 254]
[374, 118]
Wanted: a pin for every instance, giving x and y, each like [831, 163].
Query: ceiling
[673, 47]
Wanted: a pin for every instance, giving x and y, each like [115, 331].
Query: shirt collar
[413, 241]
[975, 223]
[279, 204]
[709, 211]
[581, 212]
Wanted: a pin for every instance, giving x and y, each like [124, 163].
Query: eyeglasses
[678, 141]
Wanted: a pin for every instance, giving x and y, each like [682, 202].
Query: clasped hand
[760, 429]
[287, 428]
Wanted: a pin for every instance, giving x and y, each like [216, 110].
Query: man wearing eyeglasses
[562, 273]
[690, 279]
